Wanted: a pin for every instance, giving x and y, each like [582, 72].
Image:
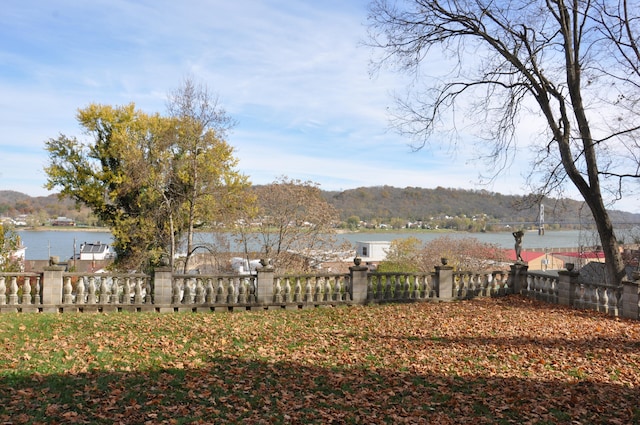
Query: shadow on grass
[230, 390]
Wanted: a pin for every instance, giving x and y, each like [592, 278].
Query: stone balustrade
[55, 290]
[542, 286]
[20, 292]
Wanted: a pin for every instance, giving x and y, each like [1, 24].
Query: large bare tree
[290, 222]
[205, 183]
[571, 66]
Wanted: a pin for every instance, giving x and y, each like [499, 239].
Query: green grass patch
[408, 363]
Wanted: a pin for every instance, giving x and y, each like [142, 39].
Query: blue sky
[292, 73]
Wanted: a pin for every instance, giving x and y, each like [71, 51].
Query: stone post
[358, 281]
[518, 277]
[52, 288]
[163, 289]
[444, 282]
[567, 281]
[631, 298]
[264, 285]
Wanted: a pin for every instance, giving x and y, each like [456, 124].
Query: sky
[294, 74]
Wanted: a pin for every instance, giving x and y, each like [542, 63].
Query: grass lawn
[486, 361]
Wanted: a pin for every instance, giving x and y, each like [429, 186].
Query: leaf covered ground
[485, 361]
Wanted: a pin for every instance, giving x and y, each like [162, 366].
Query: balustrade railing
[542, 286]
[55, 290]
[474, 284]
[20, 291]
[100, 290]
[600, 297]
[391, 287]
[326, 288]
[213, 290]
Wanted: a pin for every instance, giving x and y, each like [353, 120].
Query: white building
[96, 251]
[372, 251]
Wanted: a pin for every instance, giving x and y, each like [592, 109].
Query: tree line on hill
[375, 205]
[382, 204]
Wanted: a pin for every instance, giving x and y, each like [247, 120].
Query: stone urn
[569, 266]
[444, 261]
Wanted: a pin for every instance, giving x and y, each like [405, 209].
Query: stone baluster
[423, 287]
[388, 287]
[115, 289]
[593, 303]
[308, 295]
[277, 291]
[137, 291]
[297, 294]
[317, 296]
[148, 296]
[26, 291]
[210, 297]
[38, 292]
[92, 290]
[104, 291]
[220, 292]
[417, 286]
[201, 295]
[231, 292]
[337, 289]
[370, 288]
[287, 290]
[252, 287]
[3, 291]
[13, 291]
[187, 294]
[348, 289]
[462, 285]
[242, 292]
[126, 291]
[406, 294]
[398, 286]
[613, 301]
[80, 295]
[175, 291]
[67, 291]
[327, 295]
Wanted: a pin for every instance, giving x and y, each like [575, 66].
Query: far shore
[65, 229]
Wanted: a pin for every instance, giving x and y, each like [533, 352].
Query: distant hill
[41, 208]
[381, 203]
[413, 203]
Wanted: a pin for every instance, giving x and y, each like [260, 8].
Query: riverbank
[65, 229]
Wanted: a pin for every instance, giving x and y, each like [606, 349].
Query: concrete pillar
[52, 288]
[163, 288]
[567, 281]
[358, 282]
[631, 299]
[264, 285]
[444, 282]
[518, 277]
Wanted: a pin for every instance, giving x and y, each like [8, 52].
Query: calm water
[43, 244]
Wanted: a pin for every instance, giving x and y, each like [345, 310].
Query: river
[41, 244]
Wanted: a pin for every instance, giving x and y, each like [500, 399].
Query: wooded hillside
[379, 204]
[413, 203]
